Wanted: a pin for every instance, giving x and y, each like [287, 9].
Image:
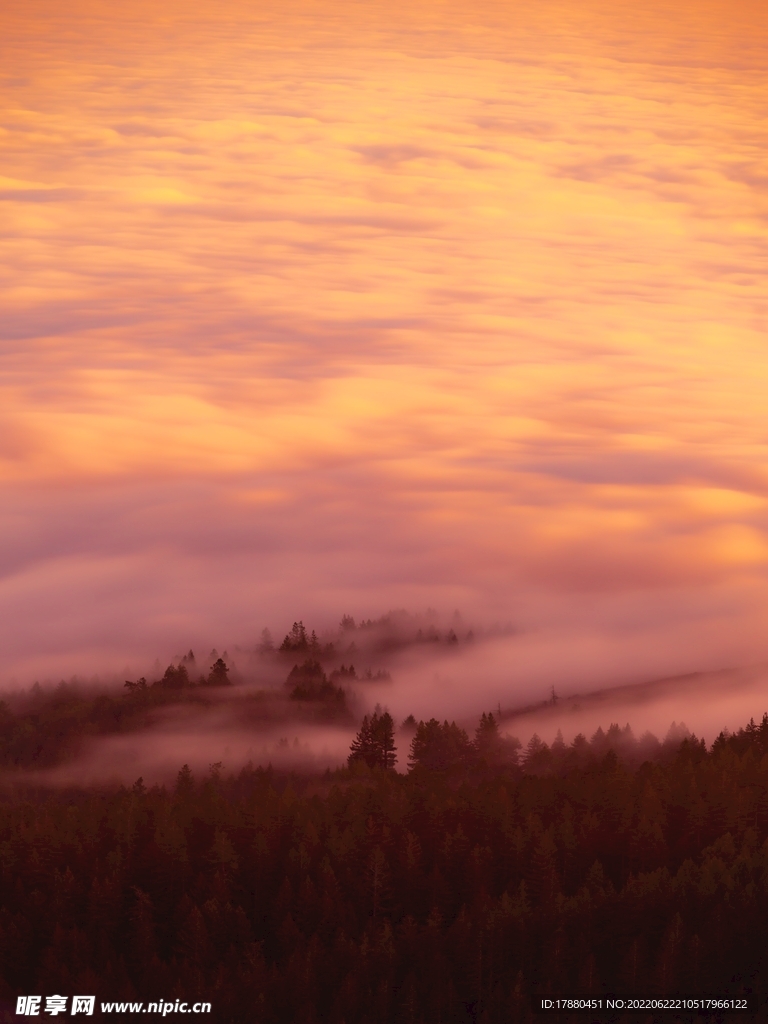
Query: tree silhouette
[308, 682]
[374, 744]
[438, 747]
[487, 733]
[383, 730]
[491, 746]
[296, 639]
[176, 678]
[362, 748]
[219, 674]
[354, 897]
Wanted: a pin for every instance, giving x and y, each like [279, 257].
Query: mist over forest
[383, 510]
[295, 701]
[323, 825]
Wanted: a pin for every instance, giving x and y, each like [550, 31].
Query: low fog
[294, 699]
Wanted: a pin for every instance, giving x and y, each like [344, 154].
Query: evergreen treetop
[374, 744]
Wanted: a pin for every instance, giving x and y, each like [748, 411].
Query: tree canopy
[374, 744]
[368, 896]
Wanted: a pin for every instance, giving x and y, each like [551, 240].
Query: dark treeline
[390, 633]
[450, 893]
[447, 745]
[42, 728]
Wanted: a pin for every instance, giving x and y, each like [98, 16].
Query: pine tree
[487, 734]
[297, 639]
[383, 729]
[184, 781]
[175, 678]
[438, 747]
[362, 745]
[219, 674]
[374, 744]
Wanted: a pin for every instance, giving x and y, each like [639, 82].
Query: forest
[303, 680]
[454, 890]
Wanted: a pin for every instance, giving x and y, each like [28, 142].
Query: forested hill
[367, 896]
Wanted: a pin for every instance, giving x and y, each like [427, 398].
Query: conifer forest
[442, 873]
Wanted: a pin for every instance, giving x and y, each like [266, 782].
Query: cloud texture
[323, 307]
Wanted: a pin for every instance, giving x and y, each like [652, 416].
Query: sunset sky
[321, 307]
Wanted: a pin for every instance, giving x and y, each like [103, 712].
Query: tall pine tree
[374, 744]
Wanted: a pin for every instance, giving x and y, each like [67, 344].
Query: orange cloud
[472, 299]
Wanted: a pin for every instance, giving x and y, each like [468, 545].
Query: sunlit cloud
[312, 308]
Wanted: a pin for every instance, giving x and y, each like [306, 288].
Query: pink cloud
[315, 310]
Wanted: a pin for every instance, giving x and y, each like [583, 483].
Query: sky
[316, 308]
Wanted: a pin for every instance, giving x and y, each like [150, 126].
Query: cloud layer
[311, 308]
